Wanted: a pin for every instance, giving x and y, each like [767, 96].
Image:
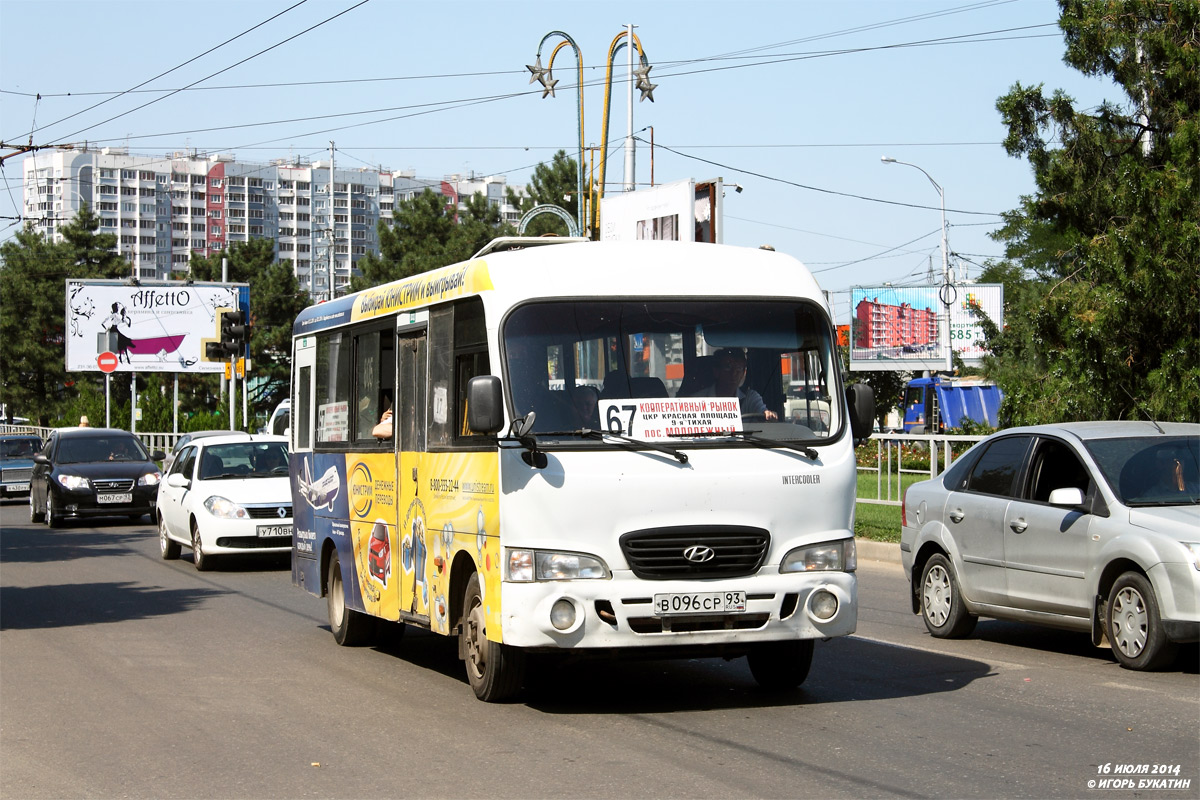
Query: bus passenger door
[409, 423]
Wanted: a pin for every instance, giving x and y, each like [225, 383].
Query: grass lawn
[879, 522]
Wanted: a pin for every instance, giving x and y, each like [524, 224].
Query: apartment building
[881, 325]
[162, 209]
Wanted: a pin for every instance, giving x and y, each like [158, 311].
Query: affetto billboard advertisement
[150, 326]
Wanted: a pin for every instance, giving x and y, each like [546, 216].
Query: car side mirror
[40, 458]
[1068, 496]
[157, 455]
[485, 404]
[860, 399]
[178, 480]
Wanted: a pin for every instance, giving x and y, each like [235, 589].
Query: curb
[871, 550]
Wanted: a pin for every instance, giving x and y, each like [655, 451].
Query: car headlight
[73, 482]
[1194, 549]
[543, 565]
[221, 508]
[839, 556]
[150, 479]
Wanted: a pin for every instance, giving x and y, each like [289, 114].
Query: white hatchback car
[225, 495]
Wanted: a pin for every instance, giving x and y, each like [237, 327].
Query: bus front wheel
[779, 666]
[494, 670]
[350, 628]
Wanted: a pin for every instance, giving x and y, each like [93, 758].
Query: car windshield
[19, 448]
[1151, 470]
[80, 450]
[244, 460]
[769, 365]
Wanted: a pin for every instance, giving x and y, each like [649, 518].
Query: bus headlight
[839, 556]
[544, 565]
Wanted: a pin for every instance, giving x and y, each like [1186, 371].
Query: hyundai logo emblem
[282, 512]
[699, 553]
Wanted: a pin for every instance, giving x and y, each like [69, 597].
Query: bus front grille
[699, 551]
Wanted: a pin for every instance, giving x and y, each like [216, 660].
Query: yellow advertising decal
[428, 287]
[407, 541]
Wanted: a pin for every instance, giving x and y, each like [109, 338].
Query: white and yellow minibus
[595, 448]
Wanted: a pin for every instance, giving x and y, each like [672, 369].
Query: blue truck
[933, 405]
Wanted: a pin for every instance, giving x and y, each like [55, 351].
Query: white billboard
[150, 327]
[900, 328]
[683, 211]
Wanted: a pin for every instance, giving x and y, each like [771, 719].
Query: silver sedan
[1089, 526]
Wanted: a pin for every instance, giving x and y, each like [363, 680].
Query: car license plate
[114, 498]
[17, 487]
[274, 530]
[666, 605]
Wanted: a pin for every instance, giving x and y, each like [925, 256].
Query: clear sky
[794, 101]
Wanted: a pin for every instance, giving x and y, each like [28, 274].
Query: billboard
[900, 328]
[150, 326]
[683, 211]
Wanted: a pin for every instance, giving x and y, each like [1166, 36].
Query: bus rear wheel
[494, 670]
[350, 628]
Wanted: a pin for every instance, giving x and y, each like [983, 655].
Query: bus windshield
[565, 359]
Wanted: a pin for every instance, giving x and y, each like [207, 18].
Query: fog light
[823, 605]
[562, 614]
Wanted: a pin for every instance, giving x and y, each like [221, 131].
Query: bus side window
[457, 353]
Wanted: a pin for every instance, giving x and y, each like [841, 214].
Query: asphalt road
[122, 675]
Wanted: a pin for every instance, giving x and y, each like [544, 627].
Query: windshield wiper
[752, 436]
[591, 433]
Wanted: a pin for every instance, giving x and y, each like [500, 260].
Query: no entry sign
[107, 362]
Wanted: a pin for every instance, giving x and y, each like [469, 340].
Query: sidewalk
[870, 550]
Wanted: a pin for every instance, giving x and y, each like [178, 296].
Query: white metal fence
[889, 469]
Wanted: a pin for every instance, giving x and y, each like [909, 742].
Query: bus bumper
[619, 612]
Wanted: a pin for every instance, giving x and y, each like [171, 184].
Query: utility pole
[630, 162]
[332, 225]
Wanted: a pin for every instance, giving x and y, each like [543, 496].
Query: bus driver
[729, 374]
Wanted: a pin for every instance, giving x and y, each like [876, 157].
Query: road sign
[107, 362]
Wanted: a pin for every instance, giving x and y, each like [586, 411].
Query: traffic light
[232, 333]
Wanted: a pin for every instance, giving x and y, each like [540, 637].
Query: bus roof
[580, 269]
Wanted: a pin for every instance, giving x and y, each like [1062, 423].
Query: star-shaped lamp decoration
[539, 72]
[643, 82]
[549, 82]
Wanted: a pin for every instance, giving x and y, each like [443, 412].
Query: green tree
[556, 184]
[1102, 311]
[426, 234]
[33, 275]
[275, 301]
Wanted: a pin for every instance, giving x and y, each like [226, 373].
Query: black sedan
[93, 472]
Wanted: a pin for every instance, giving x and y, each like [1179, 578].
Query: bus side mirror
[485, 404]
[860, 399]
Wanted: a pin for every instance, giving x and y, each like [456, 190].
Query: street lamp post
[946, 293]
[640, 79]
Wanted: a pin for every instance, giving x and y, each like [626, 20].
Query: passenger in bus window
[384, 429]
[729, 373]
[584, 402]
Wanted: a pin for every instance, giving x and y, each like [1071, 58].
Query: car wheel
[781, 665]
[350, 628]
[167, 547]
[1134, 625]
[52, 520]
[201, 561]
[941, 603]
[494, 670]
[35, 512]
